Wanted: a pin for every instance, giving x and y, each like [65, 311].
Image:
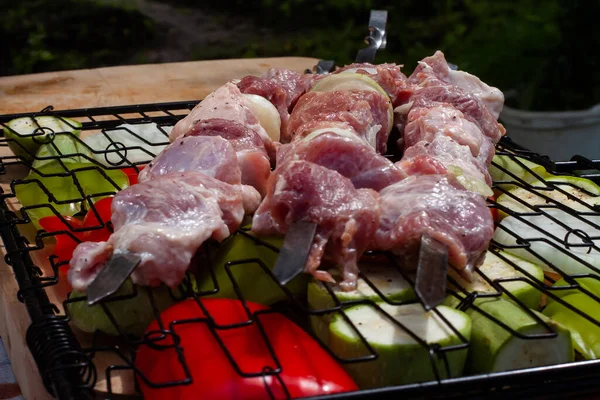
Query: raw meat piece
[252, 157]
[388, 76]
[347, 218]
[447, 152]
[293, 83]
[211, 155]
[435, 68]
[364, 111]
[345, 153]
[434, 205]
[165, 220]
[425, 124]
[227, 102]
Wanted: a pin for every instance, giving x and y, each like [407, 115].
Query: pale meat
[434, 68]
[342, 151]
[425, 124]
[434, 205]
[293, 83]
[388, 76]
[212, 155]
[366, 112]
[165, 220]
[227, 102]
[252, 157]
[471, 107]
[450, 154]
[346, 217]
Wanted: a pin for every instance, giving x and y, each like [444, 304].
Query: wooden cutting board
[94, 88]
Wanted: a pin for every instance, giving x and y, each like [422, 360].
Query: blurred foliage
[542, 54]
[40, 35]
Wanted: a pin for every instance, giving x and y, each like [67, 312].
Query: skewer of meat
[199, 187]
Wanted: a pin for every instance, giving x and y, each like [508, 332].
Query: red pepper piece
[132, 174]
[307, 369]
[65, 245]
[104, 210]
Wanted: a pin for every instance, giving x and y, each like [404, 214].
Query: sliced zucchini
[267, 115]
[386, 279]
[584, 199]
[401, 359]
[508, 165]
[495, 349]
[542, 227]
[494, 268]
[27, 134]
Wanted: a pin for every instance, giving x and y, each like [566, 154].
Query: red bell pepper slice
[65, 244]
[132, 174]
[307, 369]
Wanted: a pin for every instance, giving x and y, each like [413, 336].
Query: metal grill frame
[68, 370]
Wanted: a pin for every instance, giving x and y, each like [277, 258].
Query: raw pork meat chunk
[165, 220]
[347, 218]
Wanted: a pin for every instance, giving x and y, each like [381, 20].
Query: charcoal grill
[69, 368]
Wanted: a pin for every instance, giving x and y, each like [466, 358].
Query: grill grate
[67, 364]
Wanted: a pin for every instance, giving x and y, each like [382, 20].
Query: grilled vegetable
[27, 134]
[143, 143]
[556, 253]
[132, 314]
[64, 147]
[508, 165]
[401, 359]
[591, 284]
[94, 181]
[584, 333]
[97, 231]
[581, 194]
[495, 349]
[255, 283]
[387, 280]
[306, 369]
[495, 267]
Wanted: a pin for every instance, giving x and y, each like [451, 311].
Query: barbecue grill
[74, 365]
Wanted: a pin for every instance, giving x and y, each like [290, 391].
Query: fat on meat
[347, 217]
[227, 102]
[366, 112]
[212, 155]
[389, 76]
[443, 155]
[249, 148]
[437, 206]
[425, 124]
[435, 68]
[165, 220]
[345, 153]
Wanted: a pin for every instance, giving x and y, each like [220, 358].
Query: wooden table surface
[93, 88]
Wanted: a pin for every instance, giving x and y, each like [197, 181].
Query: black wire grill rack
[73, 364]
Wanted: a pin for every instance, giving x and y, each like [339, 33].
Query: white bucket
[559, 135]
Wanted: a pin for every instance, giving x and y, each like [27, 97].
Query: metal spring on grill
[60, 358]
